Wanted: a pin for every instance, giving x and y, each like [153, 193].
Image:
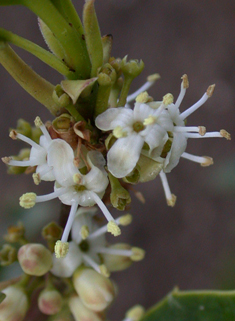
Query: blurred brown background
[193, 244]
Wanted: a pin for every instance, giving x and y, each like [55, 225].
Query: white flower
[38, 154]
[88, 244]
[133, 128]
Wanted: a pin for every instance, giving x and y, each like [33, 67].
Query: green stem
[73, 111]
[37, 51]
[125, 90]
[34, 84]
[102, 99]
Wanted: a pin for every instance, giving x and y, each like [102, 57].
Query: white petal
[156, 136]
[64, 267]
[44, 168]
[124, 154]
[175, 115]
[38, 155]
[60, 157]
[111, 117]
[142, 111]
[95, 180]
[178, 147]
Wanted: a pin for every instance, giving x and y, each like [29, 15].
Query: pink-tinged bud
[50, 301]
[80, 312]
[15, 305]
[95, 290]
[35, 259]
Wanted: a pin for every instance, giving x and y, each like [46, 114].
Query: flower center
[84, 246]
[138, 126]
[79, 188]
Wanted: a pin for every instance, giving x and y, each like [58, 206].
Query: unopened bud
[15, 233]
[15, 305]
[50, 301]
[24, 128]
[35, 259]
[95, 290]
[117, 262]
[81, 312]
[8, 255]
[131, 68]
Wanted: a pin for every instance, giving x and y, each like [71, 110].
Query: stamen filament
[91, 262]
[145, 87]
[194, 107]
[181, 94]
[203, 160]
[181, 129]
[45, 132]
[170, 198]
[101, 205]
[51, 196]
[69, 223]
[28, 141]
[25, 163]
[106, 250]
[207, 135]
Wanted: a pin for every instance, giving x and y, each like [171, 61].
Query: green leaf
[194, 306]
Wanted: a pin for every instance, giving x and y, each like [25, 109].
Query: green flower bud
[148, 168]
[35, 259]
[119, 196]
[8, 255]
[23, 155]
[95, 290]
[15, 305]
[80, 312]
[15, 233]
[50, 301]
[23, 127]
[132, 68]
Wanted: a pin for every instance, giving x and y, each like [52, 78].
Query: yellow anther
[202, 130]
[207, 161]
[168, 99]
[28, 200]
[118, 132]
[153, 78]
[61, 249]
[36, 178]
[84, 232]
[225, 134]
[149, 121]
[210, 90]
[13, 134]
[135, 313]
[77, 178]
[185, 81]
[113, 228]
[38, 123]
[137, 254]
[6, 160]
[125, 220]
[171, 201]
[142, 97]
[104, 271]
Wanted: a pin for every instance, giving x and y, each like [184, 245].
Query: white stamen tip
[153, 78]
[118, 132]
[113, 228]
[149, 121]
[84, 232]
[6, 160]
[207, 161]
[168, 99]
[104, 271]
[137, 254]
[142, 97]
[13, 134]
[28, 200]
[36, 178]
[38, 123]
[125, 220]
[210, 90]
[185, 81]
[77, 178]
[135, 313]
[171, 201]
[202, 130]
[61, 249]
[225, 134]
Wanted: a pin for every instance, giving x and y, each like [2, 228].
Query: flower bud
[132, 68]
[80, 312]
[50, 301]
[15, 305]
[117, 262]
[8, 255]
[95, 290]
[35, 259]
[15, 233]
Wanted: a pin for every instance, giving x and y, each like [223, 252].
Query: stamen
[38, 123]
[203, 160]
[104, 271]
[225, 134]
[137, 254]
[6, 160]
[182, 129]
[113, 228]
[69, 223]
[170, 198]
[25, 163]
[194, 107]
[14, 135]
[105, 250]
[84, 232]
[150, 120]
[101, 205]
[36, 178]
[124, 220]
[28, 200]
[118, 132]
[51, 196]
[219, 134]
[91, 262]
[142, 97]
[61, 249]
[210, 90]
[183, 87]
[150, 81]
[168, 99]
